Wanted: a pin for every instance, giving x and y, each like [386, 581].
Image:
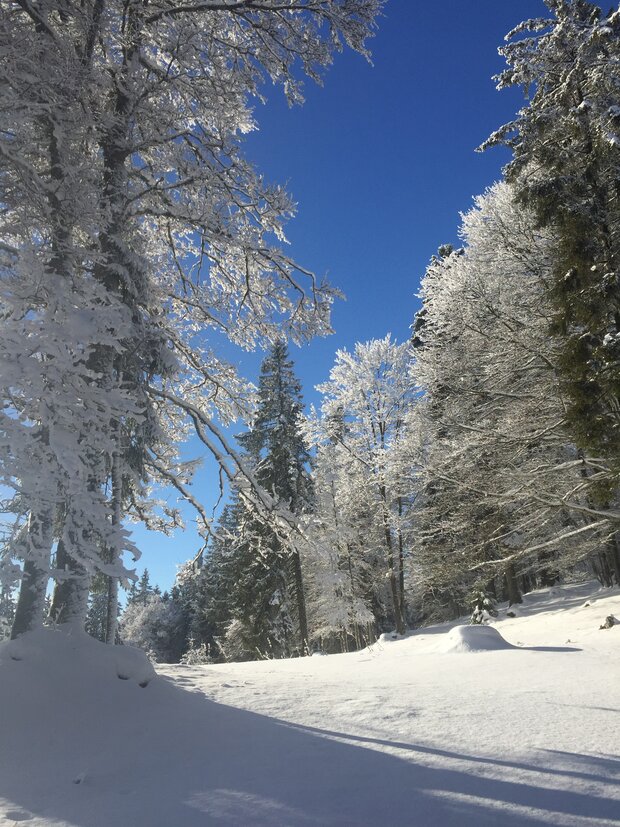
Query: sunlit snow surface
[442, 728]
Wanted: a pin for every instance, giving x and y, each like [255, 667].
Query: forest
[473, 463]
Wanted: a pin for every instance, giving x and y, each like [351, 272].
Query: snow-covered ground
[447, 727]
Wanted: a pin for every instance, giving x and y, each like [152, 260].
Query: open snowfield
[442, 728]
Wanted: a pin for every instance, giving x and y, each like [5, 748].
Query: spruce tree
[204, 587]
[566, 166]
[277, 450]
[141, 590]
[96, 619]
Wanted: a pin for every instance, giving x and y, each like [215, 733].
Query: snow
[53, 655]
[473, 639]
[410, 731]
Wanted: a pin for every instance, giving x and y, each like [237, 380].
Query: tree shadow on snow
[597, 761]
[610, 763]
[172, 758]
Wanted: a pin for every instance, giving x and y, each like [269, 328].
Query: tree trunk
[512, 589]
[604, 574]
[613, 554]
[111, 628]
[401, 566]
[399, 621]
[70, 598]
[31, 601]
[548, 573]
[29, 612]
[301, 604]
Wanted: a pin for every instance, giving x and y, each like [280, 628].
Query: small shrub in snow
[196, 655]
[483, 608]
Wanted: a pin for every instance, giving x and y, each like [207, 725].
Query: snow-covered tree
[154, 626]
[132, 227]
[249, 590]
[338, 565]
[364, 407]
[203, 588]
[280, 459]
[7, 613]
[503, 491]
[483, 608]
[566, 163]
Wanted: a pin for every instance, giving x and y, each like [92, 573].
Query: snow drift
[476, 638]
[64, 657]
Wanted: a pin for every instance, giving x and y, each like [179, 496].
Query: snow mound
[389, 637]
[474, 638]
[62, 654]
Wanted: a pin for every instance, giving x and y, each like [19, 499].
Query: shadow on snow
[172, 758]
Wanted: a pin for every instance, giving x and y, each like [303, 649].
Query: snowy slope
[442, 728]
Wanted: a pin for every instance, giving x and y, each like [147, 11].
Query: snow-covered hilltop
[422, 730]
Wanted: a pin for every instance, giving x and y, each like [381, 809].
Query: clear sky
[380, 161]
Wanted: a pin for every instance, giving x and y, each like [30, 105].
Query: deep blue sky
[380, 161]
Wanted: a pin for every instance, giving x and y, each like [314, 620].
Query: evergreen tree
[482, 608]
[141, 589]
[203, 587]
[97, 617]
[271, 579]
[566, 166]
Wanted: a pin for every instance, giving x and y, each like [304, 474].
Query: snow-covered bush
[196, 655]
[483, 608]
[153, 626]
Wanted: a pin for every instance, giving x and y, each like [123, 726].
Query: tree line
[478, 460]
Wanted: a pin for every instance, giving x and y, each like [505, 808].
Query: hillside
[444, 727]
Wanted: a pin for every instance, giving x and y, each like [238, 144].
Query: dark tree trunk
[548, 573]
[603, 571]
[399, 621]
[301, 604]
[491, 589]
[31, 601]
[401, 568]
[512, 589]
[613, 555]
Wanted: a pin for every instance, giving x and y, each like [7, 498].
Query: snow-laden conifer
[566, 162]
